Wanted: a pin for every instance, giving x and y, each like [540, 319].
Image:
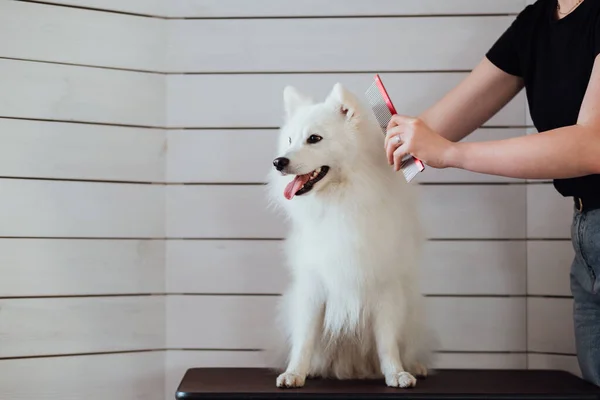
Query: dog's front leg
[306, 320]
[389, 319]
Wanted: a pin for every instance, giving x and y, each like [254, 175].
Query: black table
[257, 383]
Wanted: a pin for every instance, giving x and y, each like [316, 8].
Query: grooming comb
[382, 107]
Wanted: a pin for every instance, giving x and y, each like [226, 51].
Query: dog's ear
[293, 100]
[343, 100]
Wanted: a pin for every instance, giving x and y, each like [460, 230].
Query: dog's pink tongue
[292, 188]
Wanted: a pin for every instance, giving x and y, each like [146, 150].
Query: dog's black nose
[281, 162]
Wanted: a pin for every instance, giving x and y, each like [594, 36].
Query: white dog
[354, 309]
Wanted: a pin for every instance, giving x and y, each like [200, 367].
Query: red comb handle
[392, 109]
[384, 93]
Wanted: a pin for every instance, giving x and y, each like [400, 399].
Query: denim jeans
[585, 286]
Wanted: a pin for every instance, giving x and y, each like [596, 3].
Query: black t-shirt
[555, 59]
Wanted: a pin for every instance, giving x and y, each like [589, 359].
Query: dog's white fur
[354, 308]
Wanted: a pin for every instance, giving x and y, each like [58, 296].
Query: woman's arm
[560, 153]
[475, 100]
[566, 152]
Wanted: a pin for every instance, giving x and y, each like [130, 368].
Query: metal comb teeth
[410, 168]
[379, 106]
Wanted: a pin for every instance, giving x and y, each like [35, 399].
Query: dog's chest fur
[353, 256]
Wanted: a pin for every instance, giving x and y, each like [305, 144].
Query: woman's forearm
[474, 101]
[561, 153]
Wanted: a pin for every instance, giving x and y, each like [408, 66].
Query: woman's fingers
[398, 136]
[392, 132]
[398, 120]
[398, 155]
[393, 139]
[393, 144]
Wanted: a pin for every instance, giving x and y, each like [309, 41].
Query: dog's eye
[313, 139]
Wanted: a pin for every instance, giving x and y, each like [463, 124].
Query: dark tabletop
[256, 383]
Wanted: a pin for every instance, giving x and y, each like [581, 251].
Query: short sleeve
[597, 36]
[504, 53]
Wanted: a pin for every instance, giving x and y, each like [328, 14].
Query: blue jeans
[585, 286]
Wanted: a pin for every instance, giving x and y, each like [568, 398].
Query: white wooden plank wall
[82, 169]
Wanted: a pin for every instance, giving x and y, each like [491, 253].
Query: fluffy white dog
[354, 308]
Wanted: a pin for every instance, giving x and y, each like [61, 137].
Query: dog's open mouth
[304, 183]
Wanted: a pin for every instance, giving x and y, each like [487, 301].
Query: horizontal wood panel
[246, 322]
[481, 361]
[220, 322]
[258, 266]
[36, 149]
[51, 267]
[450, 212]
[221, 212]
[256, 100]
[554, 362]
[179, 361]
[479, 324]
[62, 92]
[549, 214]
[474, 268]
[469, 211]
[80, 209]
[138, 376]
[341, 44]
[225, 266]
[548, 268]
[147, 7]
[550, 325]
[34, 31]
[278, 8]
[31, 327]
[192, 156]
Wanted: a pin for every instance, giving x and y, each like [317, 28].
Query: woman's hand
[406, 135]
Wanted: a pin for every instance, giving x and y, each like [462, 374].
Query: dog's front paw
[290, 380]
[400, 380]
